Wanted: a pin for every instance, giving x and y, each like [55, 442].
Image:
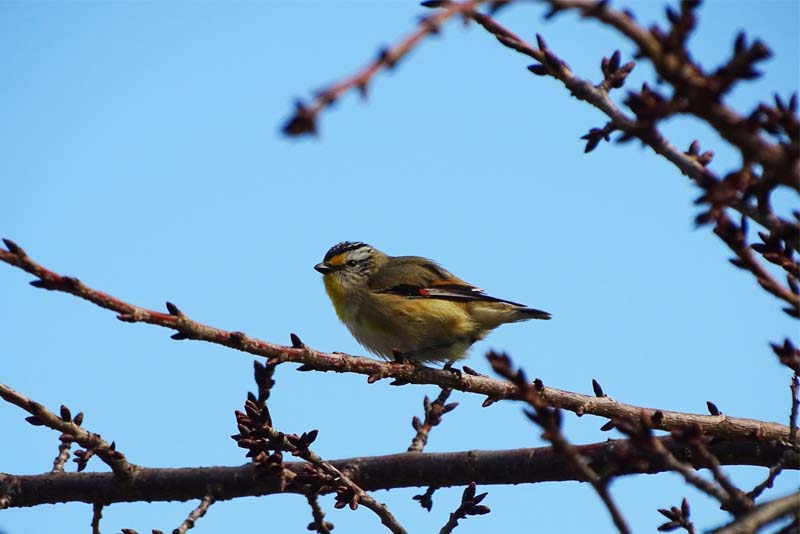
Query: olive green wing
[416, 277]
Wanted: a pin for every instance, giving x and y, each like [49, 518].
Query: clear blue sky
[141, 152]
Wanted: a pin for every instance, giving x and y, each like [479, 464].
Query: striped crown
[344, 246]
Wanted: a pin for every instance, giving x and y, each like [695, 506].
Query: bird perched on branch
[409, 306]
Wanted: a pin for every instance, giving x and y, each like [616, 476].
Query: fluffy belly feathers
[448, 330]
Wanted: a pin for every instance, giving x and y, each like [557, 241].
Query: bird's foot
[399, 357]
[449, 367]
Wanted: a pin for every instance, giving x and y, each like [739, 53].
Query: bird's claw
[449, 367]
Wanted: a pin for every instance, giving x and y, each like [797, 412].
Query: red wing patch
[445, 291]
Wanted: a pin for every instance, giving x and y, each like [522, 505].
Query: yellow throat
[337, 295]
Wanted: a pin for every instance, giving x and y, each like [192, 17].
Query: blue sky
[141, 153]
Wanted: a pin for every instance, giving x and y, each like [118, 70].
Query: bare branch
[257, 434]
[195, 514]
[93, 443]
[433, 416]
[773, 473]
[722, 426]
[549, 419]
[689, 473]
[738, 502]
[763, 515]
[794, 387]
[691, 165]
[733, 235]
[640, 431]
[678, 518]
[97, 515]
[63, 454]
[673, 63]
[732, 191]
[305, 116]
[470, 505]
[403, 470]
[319, 524]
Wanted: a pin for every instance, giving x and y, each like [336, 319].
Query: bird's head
[348, 266]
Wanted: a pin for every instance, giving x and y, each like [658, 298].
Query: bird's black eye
[352, 263]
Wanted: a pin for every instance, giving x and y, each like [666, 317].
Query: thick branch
[720, 426]
[613, 458]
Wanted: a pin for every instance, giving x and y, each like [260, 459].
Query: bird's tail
[531, 313]
[492, 314]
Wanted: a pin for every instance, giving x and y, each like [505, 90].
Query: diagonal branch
[640, 431]
[689, 163]
[93, 443]
[305, 116]
[721, 426]
[549, 419]
[337, 475]
[673, 64]
[194, 515]
[763, 515]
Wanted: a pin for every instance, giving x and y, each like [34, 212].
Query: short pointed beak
[323, 268]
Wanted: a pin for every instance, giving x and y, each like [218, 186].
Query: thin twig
[195, 514]
[319, 524]
[470, 505]
[63, 455]
[433, 416]
[722, 426]
[774, 471]
[733, 235]
[305, 116]
[794, 387]
[97, 515]
[678, 517]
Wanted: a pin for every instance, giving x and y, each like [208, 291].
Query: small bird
[409, 306]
